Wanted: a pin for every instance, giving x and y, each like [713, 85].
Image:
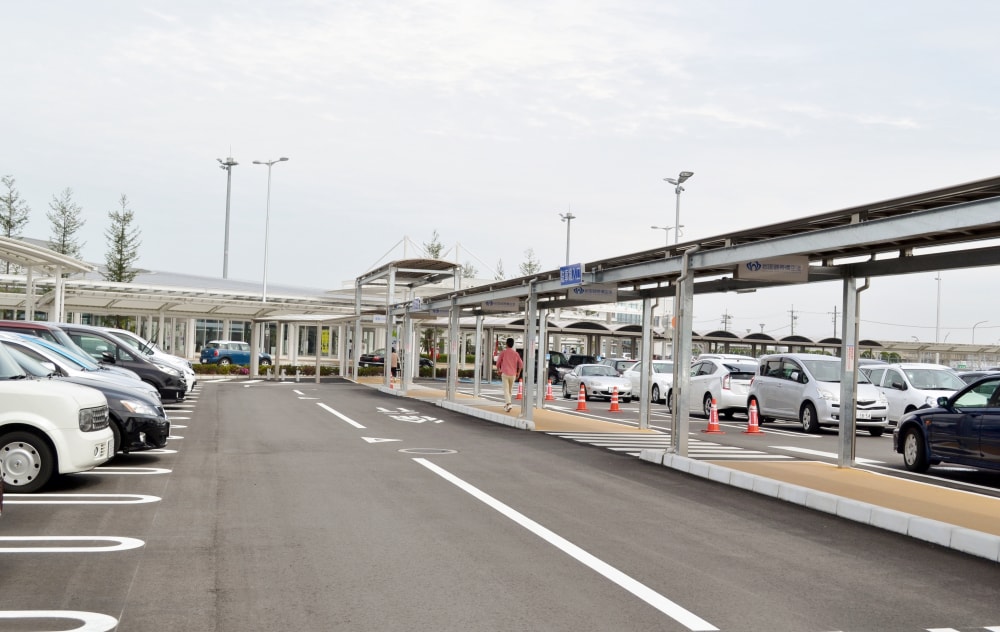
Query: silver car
[598, 380]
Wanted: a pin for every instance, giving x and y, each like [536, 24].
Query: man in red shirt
[510, 365]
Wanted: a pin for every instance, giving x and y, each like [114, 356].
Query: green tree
[123, 244]
[66, 221]
[434, 247]
[531, 264]
[469, 271]
[13, 216]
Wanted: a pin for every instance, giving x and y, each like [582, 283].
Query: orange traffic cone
[520, 389]
[753, 426]
[548, 392]
[713, 420]
[614, 401]
[581, 400]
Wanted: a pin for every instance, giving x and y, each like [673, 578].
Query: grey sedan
[598, 380]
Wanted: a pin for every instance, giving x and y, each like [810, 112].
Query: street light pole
[267, 218]
[974, 330]
[667, 230]
[568, 218]
[677, 182]
[228, 165]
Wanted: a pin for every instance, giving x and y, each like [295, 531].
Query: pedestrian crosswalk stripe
[631, 444]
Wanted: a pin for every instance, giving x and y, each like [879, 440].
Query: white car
[48, 428]
[598, 380]
[661, 384]
[725, 379]
[912, 385]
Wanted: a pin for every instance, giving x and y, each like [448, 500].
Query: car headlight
[169, 369]
[138, 408]
[882, 398]
[93, 418]
[930, 401]
[828, 395]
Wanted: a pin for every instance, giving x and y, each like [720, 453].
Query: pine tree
[531, 264]
[123, 244]
[66, 220]
[435, 246]
[500, 274]
[13, 216]
[469, 271]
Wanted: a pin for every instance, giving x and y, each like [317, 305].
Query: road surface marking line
[830, 455]
[640, 590]
[92, 621]
[345, 418]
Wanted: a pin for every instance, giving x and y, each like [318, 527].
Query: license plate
[864, 414]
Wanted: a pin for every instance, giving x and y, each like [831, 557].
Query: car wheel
[914, 452]
[876, 432]
[706, 406]
[265, 362]
[223, 361]
[670, 401]
[117, 432]
[807, 416]
[565, 391]
[586, 395]
[26, 462]
[655, 394]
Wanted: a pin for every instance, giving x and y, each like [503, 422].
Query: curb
[976, 543]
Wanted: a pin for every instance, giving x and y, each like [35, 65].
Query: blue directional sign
[571, 274]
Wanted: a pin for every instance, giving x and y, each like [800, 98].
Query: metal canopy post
[530, 318]
[541, 372]
[389, 326]
[408, 353]
[848, 375]
[646, 357]
[451, 389]
[478, 371]
[682, 354]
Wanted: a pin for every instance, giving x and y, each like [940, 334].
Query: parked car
[726, 380]
[598, 380]
[48, 428]
[372, 358]
[556, 366]
[226, 352]
[963, 428]
[100, 344]
[138, 421]
[971, 376]
[618, 364]
[909, 386]
[66, 363]
[575, 359]
[806, 388]
[52, 333]
[156, 355]
[660, 386]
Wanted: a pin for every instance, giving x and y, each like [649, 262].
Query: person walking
[510, 365]
[394, 363]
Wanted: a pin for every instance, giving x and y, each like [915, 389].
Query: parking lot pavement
[950, 518]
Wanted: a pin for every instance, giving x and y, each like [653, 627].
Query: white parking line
[92, 621]
[640, 590]
[120, 544]
[131, 471]
[341, 416]
[829, 455]
[79, 499]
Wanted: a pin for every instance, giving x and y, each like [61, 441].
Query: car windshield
[598, 371]
[740, 371]
[9, 368]
[662, 367]
[829, 371]
[934, 379]
[28, 363]
[80, 362]
[140, 345]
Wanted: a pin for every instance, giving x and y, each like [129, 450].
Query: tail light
[727, 381]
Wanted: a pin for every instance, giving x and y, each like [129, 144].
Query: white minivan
[912, 385]
[805, 387]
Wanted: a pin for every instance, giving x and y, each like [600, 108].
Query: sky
[483, 121]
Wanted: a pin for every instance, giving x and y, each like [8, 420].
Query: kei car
[598, 380]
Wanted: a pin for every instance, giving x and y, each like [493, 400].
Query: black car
[106, 347]
[138, 421]
[374, 358]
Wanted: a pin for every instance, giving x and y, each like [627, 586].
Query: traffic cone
[713, 420]
[753, 426]
[548, 392]
[581, 400]
[614, 401]
[520, 389]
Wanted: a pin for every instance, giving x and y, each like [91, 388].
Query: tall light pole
[568, 218]
[267, 218]
[974, 330]
[677, 182]
[228, 165]
[667, 230]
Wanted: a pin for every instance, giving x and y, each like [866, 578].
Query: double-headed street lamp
[267, 218]
[228, 165]
[667, 230]
[568, 218]
[677, 182]
[974, 330]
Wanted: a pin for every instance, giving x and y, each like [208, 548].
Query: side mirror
[899, 386]
[107, 358]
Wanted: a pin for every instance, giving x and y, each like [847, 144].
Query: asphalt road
[333, 507]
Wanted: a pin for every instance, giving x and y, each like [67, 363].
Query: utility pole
[834, 321]
[726, 319]
[794, 318]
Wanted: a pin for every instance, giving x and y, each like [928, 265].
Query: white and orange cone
[753, 426]
[713, 420]
[614, 401]
[581, 400]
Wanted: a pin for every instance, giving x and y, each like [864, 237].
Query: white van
[912, 385]
[806, 388]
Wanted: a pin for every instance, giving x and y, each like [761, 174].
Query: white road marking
[92, 621]
[830, 455]
[377, 440]
[341, 416]
[79, 499]
[640, 590]
[120, 544]
[128, 470]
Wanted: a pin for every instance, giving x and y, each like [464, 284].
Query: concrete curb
[941, 533]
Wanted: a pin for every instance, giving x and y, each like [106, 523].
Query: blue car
[225, 352]
[963, 429]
